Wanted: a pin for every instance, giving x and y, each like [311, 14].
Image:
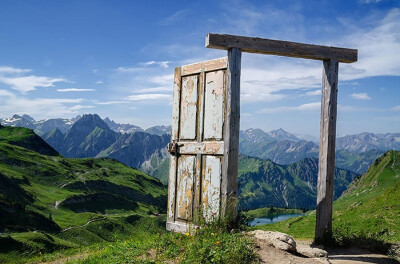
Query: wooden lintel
[280, 48]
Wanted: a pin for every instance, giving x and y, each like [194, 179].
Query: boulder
[276, 239]
[311, 252]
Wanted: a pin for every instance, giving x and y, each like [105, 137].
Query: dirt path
[272, 255]
[90, 221]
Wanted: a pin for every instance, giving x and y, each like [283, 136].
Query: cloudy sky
[117, 58]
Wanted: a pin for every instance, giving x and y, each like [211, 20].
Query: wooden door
[197, 145]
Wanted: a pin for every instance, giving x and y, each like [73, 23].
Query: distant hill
[40, 127]
[61, 202]
[134, 149]
[159, 130]
[369, 141]
[264, 183]
[26, 138]
[368, 210]
[122, 128]
[90, 136]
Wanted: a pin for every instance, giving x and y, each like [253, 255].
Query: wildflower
[217, 243]
[212, 234]
[187, 234]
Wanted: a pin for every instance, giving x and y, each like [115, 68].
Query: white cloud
[369, 1]
[378, 47]
[11, 70]
[395, 108]
[360, 96]
[75, 90]
[29, 83]
[42, 107]
[79, 107]
[313, 93]
[162, 64]
[310, 107]
[177, 16]
[99, 82]
[155, 89]
[6, 93]
[111, 102]
[129, 69]
[146, 97]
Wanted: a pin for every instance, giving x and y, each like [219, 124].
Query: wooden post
[326, 168]
[231, 136]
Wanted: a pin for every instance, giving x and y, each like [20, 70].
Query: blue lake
[272, 219]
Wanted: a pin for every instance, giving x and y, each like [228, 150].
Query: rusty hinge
[173, 148]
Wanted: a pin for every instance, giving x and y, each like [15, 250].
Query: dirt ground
[272, 255]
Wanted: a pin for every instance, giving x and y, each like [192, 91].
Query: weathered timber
[326, 169]
[204, 66]
[280, 48]
[231, 135]
[198, 120]
[174, 137]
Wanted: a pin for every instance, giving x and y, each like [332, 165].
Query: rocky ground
[279, 248]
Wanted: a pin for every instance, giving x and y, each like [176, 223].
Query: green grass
[151, 243]
[368, 213]
[46, 202]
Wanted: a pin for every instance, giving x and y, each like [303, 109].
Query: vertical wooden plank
[326, 169]
[171, 189]
[188, 114]
[214, 103]
[174, 136]
[176, 104]
[200, 110]
[231, 135]
[184, 195]
[211, 187]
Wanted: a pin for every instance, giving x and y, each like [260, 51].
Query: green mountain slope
[26, 138]
[264, 183]
[55, 202]
[369, 208]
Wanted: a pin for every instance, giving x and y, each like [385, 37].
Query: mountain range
[263, 183]
[91, 136]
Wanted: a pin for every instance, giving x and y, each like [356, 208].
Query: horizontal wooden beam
[280, 48]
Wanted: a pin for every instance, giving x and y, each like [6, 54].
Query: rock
[311, 252]
[276, 239]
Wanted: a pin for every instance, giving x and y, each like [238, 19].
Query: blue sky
[116, 59]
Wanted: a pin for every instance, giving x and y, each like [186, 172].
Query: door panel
[188, 115]
[211, 186]
[214, 105]
[186, 174]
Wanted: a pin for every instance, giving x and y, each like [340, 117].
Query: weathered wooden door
[197, 145]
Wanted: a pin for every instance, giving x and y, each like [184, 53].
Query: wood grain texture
[204, 66]
[231, 135]
[326, 169]
[280, 48]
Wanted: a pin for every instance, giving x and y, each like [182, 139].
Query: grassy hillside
[265, 183]
[369, 209]
[51, 202]
[25, 137]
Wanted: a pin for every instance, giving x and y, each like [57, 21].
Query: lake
[272, 219]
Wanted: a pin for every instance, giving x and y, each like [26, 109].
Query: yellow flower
[217, 243]
[187, 234]
[212, 234]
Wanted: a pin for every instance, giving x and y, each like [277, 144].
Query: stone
[311, 252]
[276, 239]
